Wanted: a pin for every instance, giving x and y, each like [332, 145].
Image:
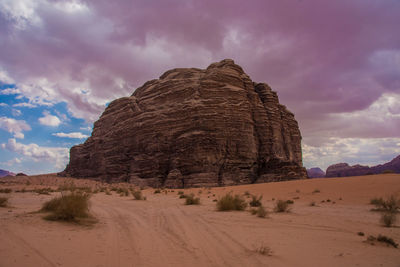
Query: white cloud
[16, 112]
[13, 126]
[71, 135]
[26, 105]
[57, 155]
[49, 120]
[10, 91]
[5, 78]
[86, 128]
[13, 161]
[3, 105]
[365, 151]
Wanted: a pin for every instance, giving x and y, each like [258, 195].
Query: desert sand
[162, 231]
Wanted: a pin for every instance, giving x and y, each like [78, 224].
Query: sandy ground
[162, 231]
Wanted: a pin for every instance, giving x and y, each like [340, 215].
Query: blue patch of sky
[39, 134]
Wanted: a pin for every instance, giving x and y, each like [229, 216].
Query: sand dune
[161, 231]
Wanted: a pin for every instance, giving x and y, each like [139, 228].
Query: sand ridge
[161, 231]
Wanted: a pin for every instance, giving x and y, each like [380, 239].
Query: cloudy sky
[335, 64]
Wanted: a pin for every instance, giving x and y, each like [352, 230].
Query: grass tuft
[191, 200]
[229, 202]
[255, 201]
[137, 195]
[69, 207]
[281, 206]
[388, 219]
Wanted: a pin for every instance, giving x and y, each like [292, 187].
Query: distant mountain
[315, 173]
[5, 173]
[344, 169]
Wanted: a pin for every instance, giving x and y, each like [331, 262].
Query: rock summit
[190, 128]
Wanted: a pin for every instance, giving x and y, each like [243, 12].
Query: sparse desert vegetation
[255, 201]
[3, 201]
[122, 222]
[68, 207]
[192, 200]
[230, 202]
[281, 206]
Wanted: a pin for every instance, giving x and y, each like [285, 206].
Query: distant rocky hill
[344, 169]
[193, 127]
[315, 173]
[6, 173]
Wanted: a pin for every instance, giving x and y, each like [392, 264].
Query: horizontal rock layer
[193, 127]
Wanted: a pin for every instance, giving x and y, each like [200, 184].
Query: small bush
[3, 201]
[43, 191]
[70, 207]
[191, 200]
[253, 211]
[312, 204]
[391, 204]
[108, 192]
[247, 194]
[281, 206]
[261, 212]
[360, 233]
[180, 192]
[289, 201]
[264, 250]
[229, 202]
[387, 240]
[157, 191]
[316, 191]
[388, 219]
[384, 239]
[5, 190]
[182, 196]
[138, 195]
[255, 201]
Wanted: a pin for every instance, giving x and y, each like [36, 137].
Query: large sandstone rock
[315, 173]
[193, 127]
[344, 169]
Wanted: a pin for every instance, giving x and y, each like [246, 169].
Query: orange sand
[161, 231]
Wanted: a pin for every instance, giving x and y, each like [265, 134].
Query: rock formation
[4, 173]
[193, 127]
[315, 173]
[344, 169]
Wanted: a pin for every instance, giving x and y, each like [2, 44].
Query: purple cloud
[334, 63]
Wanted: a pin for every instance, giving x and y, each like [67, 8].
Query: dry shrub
[3, 201]
[68, 207]
[191, 200]
[255, 201]
[281, 206]
[5, 190]
[261, 212]
[388, 219]
[229, 202]
[138, 195]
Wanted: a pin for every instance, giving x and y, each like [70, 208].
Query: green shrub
[68, 207]
[191, 200]
[3, 201]
[229, 202]
[255, 201]
[281, 206]
[388, 219]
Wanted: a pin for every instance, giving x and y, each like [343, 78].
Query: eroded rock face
[344, 169]
[193, 127]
